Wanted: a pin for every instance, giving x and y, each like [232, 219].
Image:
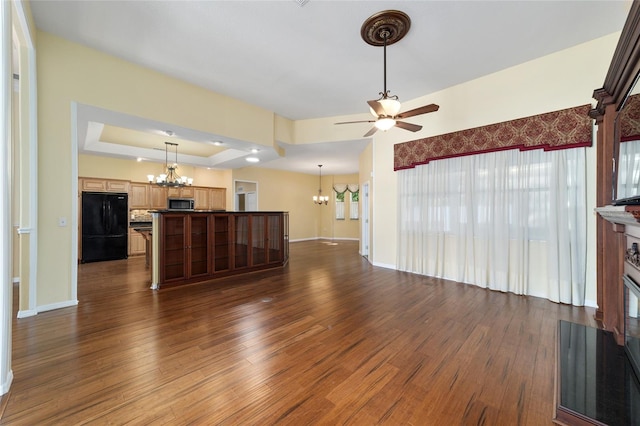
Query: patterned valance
[567, 128]
[630, 119]
[341, 188]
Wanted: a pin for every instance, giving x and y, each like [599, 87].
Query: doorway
[245, 196]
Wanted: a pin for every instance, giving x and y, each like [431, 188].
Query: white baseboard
[384, 265]
[59, 305]
[27, 313]
[7, 383]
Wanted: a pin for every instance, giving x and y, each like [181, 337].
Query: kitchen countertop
[140, 224]
[142, 228]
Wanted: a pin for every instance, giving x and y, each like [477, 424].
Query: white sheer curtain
[498, 220]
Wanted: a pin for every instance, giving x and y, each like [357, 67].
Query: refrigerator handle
[109, 219]
[104, 214]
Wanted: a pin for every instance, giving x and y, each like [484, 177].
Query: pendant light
[320, 199]
[170, 177]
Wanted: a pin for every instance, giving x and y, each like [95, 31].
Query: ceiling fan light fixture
[391, 106]
[385, 124]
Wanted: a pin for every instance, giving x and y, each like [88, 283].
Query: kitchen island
[194, 246]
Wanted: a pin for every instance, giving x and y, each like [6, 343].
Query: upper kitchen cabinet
[201, 198]
[157, 197]
[210, 198]
[103, 185]
[139, 196]
[181, 192]
[217, 199]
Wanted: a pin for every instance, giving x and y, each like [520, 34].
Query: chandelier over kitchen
[320, 199]
[170, 177]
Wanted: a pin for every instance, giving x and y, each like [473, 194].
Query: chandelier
[320, 199]
[170, 177]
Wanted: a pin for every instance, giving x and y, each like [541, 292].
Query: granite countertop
[140, 224]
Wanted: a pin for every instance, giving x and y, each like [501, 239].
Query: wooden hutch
[195, 246]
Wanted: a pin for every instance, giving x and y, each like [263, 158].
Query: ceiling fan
[382, 29]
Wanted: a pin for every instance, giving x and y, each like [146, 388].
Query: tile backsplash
[140, 216]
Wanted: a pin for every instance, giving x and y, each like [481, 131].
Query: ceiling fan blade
[408, 126]
[377, 107]
[422, 110]
[352, 122]
[370, 132]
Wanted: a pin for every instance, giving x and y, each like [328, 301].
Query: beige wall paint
[330, 227]
[137, 171]
[293, 192]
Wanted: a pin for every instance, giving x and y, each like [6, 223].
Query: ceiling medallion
[393, 24]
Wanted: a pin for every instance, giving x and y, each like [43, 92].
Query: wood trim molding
[624, 67]
[610, 248]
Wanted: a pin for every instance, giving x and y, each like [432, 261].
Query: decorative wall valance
[567, 128]
[341, 188]
[630, 119]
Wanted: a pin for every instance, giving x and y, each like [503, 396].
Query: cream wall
[330, 227]
[561, 80]
[137, 171]
[293, 192]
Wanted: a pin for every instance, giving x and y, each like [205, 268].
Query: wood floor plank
[328, 339]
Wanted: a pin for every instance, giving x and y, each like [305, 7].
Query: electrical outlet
[62, 221]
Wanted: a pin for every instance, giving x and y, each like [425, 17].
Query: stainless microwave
[180, 204]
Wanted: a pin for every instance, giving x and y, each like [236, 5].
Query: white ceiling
[309, 61]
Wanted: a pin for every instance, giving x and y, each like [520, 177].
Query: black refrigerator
[104, 226]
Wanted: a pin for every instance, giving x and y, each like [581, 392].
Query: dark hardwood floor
[329, 339]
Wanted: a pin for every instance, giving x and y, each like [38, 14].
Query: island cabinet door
[221, 243]
[173, 248]
[258, 240]
[274, 239]
[241, 239]
[198, 245]
[185, 247]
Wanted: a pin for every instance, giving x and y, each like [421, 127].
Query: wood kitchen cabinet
[259, 239]
[201, 198]
[217, 199]
[210, 198]
[185, 252]
[180, 192]
[199, 246]
[103, 185]
[137, 244]
[221, 246]
[157, 197]
[139, 196]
